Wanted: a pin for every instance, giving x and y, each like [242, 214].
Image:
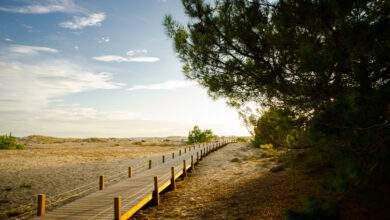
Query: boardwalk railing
[140, 186]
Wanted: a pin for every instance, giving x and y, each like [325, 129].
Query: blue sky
[98, 68]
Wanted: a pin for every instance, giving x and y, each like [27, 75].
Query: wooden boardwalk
[136, 191]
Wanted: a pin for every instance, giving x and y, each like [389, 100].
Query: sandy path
[232, 183]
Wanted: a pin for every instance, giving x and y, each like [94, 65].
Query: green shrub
[242, 139]
[196, 135]
[297, 138]
[270, 150]
[280, 128]
[314, 208]
[9, 142]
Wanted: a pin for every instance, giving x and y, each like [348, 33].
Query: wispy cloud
[85, 18]
[69, 113]
[31, 92]
[8, 39]
[167, 85]
[143, 59]
[111, 58]
[104, 40]
[119, 59]
[94, 19]
[136, 52]
[32, 86]
[44, 7]
[131, 56]
[24, 49]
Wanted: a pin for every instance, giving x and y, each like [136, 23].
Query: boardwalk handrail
[56, 199]
[166, 183]
[128, 206]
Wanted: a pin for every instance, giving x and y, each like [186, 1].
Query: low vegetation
[9, 142]
[243, 139]
[342, 172]
[196, 135]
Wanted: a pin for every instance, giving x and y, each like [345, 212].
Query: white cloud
[167, 85]
[62, 6]
[94, 19]
[24, 49]
[31, 98]
[30, 87]
[28, 27]
[132, 56]
[111, 58]
[104, 40]
[44, 7]
[136, 52]
[8, 39]
[143, 59]
[68, 113]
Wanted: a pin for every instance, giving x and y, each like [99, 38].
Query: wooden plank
[138, 206]
[165, 185]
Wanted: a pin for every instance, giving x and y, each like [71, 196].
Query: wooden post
[185, 150]
[156, 196]
[173, 181]
[150, 164]
[192, 163]
[163, 158]
[184, 169]
[102, 182]
[173, 155]
[179, 152]
[41, 207]
[130, 173]
[117, 208]
[197, 157]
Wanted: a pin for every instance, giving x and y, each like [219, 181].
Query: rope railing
[145, 190]
[137, 166]
[53, 200]
[56, 199]
[111, 174]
